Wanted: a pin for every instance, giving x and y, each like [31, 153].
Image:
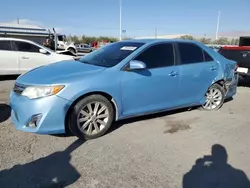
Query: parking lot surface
[153, 151]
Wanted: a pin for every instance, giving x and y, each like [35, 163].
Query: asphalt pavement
[189, 149]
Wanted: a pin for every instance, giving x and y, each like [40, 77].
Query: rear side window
[207, 57]
[190, 53]
[5, 45]
[159, 55]
[26, 47]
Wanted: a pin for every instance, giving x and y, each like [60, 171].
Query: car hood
[57, 73]
[61, 56]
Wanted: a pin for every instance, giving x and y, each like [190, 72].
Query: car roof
[16, 39]
[148, 41]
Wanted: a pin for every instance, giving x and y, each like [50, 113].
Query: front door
[197, 72]
[8, 58]
[30, 56]
[154, 88]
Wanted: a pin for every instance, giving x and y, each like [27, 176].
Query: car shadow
[120, 123]
[4, 112]
[228, 100]
[214, 171]
[64, 135]
[8, 77]
[52, 171]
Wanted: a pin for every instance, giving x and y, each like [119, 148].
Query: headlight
[34, 92]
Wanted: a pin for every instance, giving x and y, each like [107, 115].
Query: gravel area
[189, 149]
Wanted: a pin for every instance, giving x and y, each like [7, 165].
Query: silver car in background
[85, 48]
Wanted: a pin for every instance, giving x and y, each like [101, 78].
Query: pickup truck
[240, 54]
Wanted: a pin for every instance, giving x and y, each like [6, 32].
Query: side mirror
[136, 65]
[42, 51]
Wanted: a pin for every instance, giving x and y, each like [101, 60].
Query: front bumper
[52, 111]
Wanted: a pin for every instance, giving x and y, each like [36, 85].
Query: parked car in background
[84, 48]
[215, 48]
[121, 80]
[240, 54]
[18, 56]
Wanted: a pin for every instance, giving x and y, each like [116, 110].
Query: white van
[18, 56]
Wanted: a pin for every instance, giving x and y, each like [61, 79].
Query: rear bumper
[232, 86]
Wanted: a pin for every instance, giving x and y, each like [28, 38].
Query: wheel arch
[71, 47]
[106, 95]
[222, 82]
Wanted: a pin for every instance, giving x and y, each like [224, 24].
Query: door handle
[173, 73]
[213, 68]
[25, 57]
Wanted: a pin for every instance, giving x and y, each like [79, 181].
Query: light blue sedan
[121, 80]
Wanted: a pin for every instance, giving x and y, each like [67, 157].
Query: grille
[18, 88]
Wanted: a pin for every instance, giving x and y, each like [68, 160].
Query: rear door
[197, 72]
[29, 56]
[8, 58]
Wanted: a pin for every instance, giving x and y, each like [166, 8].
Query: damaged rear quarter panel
[226, 67]
[225, 71]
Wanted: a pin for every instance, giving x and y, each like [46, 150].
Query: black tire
[222, 91]
[72, 50]
[72, 120]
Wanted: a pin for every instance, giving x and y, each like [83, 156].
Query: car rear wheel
[72, 50]
[215, 97]
[91, 117]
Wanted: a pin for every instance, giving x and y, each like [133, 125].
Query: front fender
[115, 98]
[97, 84]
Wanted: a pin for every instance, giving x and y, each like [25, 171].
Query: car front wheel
[215, 97]
[91, 117]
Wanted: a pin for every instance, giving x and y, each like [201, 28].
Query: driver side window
[159, 55]
[26, 47]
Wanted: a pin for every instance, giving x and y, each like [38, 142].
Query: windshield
[61, 38]
[111, 54]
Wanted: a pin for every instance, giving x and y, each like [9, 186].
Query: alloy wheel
[214, 99]
[93, 118]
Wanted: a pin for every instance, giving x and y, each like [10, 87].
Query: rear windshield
[111, 54]
[235, 55]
